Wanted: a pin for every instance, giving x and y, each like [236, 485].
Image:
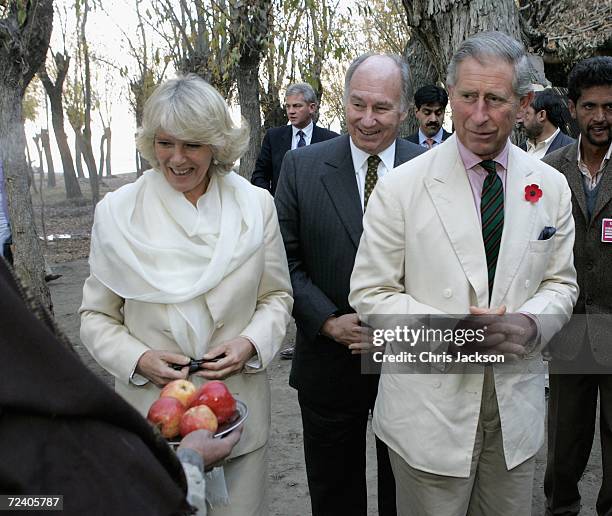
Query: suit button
[219, 325]
[447, 293]
[527, 283]
[589, 301]
[590, 266]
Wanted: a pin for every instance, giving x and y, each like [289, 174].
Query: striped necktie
[370, 179]
[492, 213]
[302, 140]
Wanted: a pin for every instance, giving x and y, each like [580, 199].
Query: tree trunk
[102, 161]
[78, 155]
[25, 32]
[248, 96]
[31, 180]
[249, 28]
[108, 134]
[86, 147]
[422, 73]
[54, 92]
[442, 26]
[46, 143]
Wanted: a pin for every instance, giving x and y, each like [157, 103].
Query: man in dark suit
[321, 196]
[301, 105]
[581, 366]
[430, 102]
[542, 121]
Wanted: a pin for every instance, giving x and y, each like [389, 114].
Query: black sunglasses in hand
[194, 365]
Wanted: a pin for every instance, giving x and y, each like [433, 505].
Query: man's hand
[154, 365]
[504, 333]
[237, 352]
[212, 450]
[347, 331]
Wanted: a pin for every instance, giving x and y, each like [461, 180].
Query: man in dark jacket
[542, 121]
[581, 366]
[301, 105]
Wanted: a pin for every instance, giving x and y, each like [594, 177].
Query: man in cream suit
[465, 443]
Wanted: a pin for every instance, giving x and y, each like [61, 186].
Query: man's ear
[572, 108]
[542, 115]
[526, 100]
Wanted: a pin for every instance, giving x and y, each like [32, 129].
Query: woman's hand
[237, 352]
[154, 365]
[213, 451]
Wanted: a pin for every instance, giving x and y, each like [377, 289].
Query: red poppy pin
[533, 193]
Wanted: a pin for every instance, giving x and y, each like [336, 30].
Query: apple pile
[182, 409]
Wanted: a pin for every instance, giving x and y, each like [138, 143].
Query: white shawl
[150, 244]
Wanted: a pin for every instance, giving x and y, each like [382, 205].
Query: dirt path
[288, 486]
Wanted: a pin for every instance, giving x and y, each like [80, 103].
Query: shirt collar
[307, 130]
[470, 160]
[436, 137]
[543, 143]
[606, 157]
[387, 156]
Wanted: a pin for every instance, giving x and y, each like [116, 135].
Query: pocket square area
[547, 232]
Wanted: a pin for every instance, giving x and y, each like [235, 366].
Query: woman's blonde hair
[190, 109]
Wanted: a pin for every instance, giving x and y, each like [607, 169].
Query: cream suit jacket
[422, 253]
[254, 301]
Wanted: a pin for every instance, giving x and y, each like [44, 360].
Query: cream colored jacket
[422, 253]
[254, 301]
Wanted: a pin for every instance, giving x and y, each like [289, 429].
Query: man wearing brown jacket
[581, 368]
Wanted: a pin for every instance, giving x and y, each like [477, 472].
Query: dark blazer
[593, 261]
[414, 138]
[320, 216]
[276, 143]
[560, 141]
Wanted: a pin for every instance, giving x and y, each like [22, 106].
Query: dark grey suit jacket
[593, 261]
[276, 143]
[560, 141]
[320, 217]
[414, 138]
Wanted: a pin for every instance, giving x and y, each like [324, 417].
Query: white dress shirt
[539, 149]
[307, 135]
[590, 181]
[360, 162]
[437, 138]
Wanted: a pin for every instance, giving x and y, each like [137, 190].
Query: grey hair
[302, 88]
[400, 62]
[494, 44]
[188, 108]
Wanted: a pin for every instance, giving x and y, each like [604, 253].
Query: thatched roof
[577, 29]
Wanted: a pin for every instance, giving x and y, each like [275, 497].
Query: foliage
[32, 100]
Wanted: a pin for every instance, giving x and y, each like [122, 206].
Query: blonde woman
[188, 262]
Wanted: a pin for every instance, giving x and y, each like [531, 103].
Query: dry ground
[288, 486]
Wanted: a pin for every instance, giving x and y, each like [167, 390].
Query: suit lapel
[341, 185]
[574, 177]
[285, 143]
[315, 134]
[519, 219]
[451, 194]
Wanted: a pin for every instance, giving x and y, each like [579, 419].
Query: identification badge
[606, 230]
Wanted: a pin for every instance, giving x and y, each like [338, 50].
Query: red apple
[165, 414]
[198, 418]
[182, 390]
[217, 396]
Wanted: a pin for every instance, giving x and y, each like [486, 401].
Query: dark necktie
[302, 140]
[492, 213]
[370, 179]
